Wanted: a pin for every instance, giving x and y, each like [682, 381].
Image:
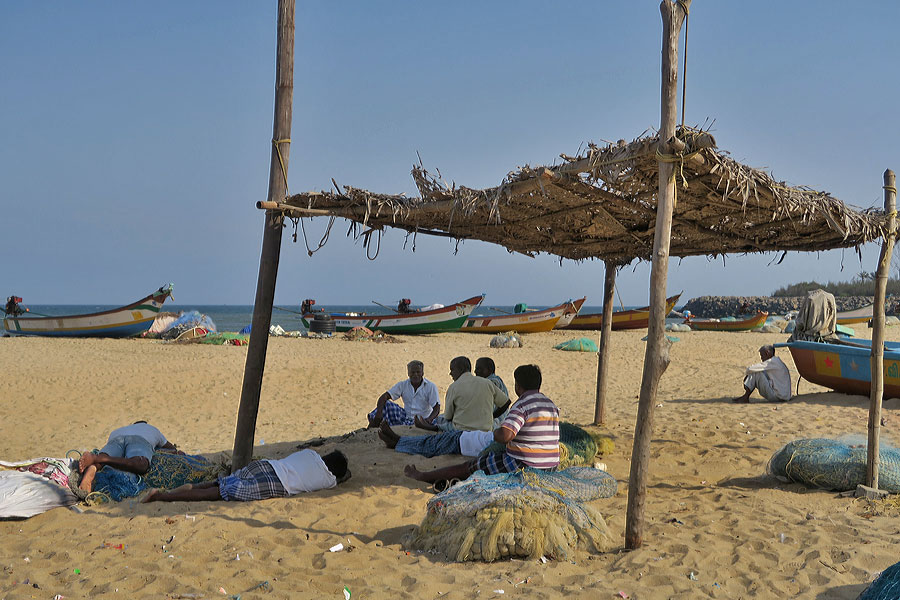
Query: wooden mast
[877, 360]
[656, 357]
[609, 285]
[271, 247]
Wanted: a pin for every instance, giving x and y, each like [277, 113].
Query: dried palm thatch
[602, 204]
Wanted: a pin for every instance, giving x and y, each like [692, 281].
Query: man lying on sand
[467, 443]
[771, 377]
[420, 398]
[471, 402]
[303, 471]
[128, 449]
[530, 432]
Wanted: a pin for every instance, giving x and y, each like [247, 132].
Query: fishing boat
[858, 315]
[845, 368]
[447, 318]
[569, 313]
[125, 321]
[754, 322]
[637, 318]
[533, 321]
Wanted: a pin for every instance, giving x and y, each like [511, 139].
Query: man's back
[535, 420]
[471, 402]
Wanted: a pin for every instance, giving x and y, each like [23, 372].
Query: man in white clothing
[771, 377]
[303, 471]
[420, 398]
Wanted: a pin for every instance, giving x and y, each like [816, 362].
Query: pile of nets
[188, 322]
[529, 513]
[576, 447]
[510, 339]
[886, 587]
[578, 345]
[167, 471]
[225, 338]
[357, 334]
[833, 465]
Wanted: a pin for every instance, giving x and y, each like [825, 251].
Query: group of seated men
[478, 411]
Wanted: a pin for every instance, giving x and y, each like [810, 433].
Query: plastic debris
[499, 592]
[346, 593]
[622, 594]
[692, 577]
[336, 548]
[76, 571]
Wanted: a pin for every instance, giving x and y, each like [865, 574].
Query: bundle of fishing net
[576, 446]
[530, 513]
[833, 465]
[510, 339]
[167, 471]
[578, 345]
[886, 587]
[186, 322]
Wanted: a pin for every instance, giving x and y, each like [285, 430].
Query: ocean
[234, 317]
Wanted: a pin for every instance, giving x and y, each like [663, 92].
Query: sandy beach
[717, 525]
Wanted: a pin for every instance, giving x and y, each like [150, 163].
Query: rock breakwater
[725, 306]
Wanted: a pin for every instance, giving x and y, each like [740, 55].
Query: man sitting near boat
[129, 449]
[530, 432]
[471, 403]
[420, 399]
[770, 377]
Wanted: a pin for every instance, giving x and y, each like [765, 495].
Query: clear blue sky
[134, 138]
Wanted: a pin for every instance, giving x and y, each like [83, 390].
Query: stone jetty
[725, 306]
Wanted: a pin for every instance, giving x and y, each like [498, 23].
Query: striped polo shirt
[534, 420]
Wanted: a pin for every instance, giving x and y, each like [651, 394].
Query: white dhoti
[759, 381]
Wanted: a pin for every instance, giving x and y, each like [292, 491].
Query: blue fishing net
[167, 471]
[886, 587]
[833, 465]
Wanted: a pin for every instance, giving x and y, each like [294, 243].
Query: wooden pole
[609, 286]
[877, 360]
[271, 246]
[656, 357]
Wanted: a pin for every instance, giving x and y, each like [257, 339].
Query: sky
[135, 137]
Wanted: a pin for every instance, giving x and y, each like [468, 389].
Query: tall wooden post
[877, 360]
[656, 357]
[271, 246]
[609, 285]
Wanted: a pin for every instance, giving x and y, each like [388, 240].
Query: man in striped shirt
[530, 432]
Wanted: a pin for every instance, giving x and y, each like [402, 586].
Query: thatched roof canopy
[602, 204]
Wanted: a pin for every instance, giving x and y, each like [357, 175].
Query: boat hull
[526, 322]
[125, 321]
[569, 313]
[448, 318]
[638, 318]
[845, 369]
[746, 325]
[852, 317]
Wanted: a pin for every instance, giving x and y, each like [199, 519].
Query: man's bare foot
[151, 496]
[87, 459]
[87, 479]
[412, 472]
[423, 424]
[741, 400]
[387, 435]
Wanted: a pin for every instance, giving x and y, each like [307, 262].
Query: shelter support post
[656, 357]
[609, 286]
[271, 246]
[877, 364]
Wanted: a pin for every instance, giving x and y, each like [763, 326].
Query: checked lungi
[256, 481]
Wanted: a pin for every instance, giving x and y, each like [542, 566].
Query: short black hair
[488, 362]
[136, 422]
[528, 377]
[462, 363]
[337, 464]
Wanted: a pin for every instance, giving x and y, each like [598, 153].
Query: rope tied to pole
[277, 145]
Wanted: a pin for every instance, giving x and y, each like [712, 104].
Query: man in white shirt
[128, 449]
[303, 471]
[420, 398]
[771, 377]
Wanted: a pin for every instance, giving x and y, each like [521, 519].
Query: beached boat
[844, 368]
[523, 322]
[125, 321]
[569, 313]
[858, 315]
[754, 322]
[637, 318]
[447, 318]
